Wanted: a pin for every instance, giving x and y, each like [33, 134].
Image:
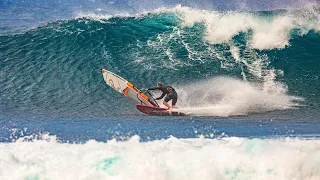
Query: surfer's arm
[163, 94]
[154, 88]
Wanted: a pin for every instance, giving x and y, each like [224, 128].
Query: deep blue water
[156, 128]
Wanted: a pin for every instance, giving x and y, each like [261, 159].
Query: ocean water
[247, 72]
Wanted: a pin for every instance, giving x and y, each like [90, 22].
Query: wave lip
[265, 30]
[269, 30]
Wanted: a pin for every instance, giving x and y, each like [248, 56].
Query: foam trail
[224, 96]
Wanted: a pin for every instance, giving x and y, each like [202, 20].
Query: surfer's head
[159, 84]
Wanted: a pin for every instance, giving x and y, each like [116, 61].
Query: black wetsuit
[170, 94]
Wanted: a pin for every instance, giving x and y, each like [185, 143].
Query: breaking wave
[222, 63]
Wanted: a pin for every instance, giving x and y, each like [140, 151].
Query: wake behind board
[158, 111]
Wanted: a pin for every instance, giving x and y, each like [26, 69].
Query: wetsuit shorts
[172, 95]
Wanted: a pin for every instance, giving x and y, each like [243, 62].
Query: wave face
[221, 63]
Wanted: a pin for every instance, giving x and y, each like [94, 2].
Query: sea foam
[173, 158]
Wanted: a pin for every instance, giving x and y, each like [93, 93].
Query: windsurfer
[170, 93]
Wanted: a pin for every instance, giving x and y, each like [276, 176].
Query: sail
[124, 87]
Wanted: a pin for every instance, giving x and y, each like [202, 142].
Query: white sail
[124, 87]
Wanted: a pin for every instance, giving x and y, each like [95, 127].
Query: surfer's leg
[174, 98]
[166, 99]
[174, 101]
[166, 104]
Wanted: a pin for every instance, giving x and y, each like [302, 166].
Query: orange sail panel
[136, 95]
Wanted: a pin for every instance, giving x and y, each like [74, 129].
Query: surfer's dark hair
[159, 84]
